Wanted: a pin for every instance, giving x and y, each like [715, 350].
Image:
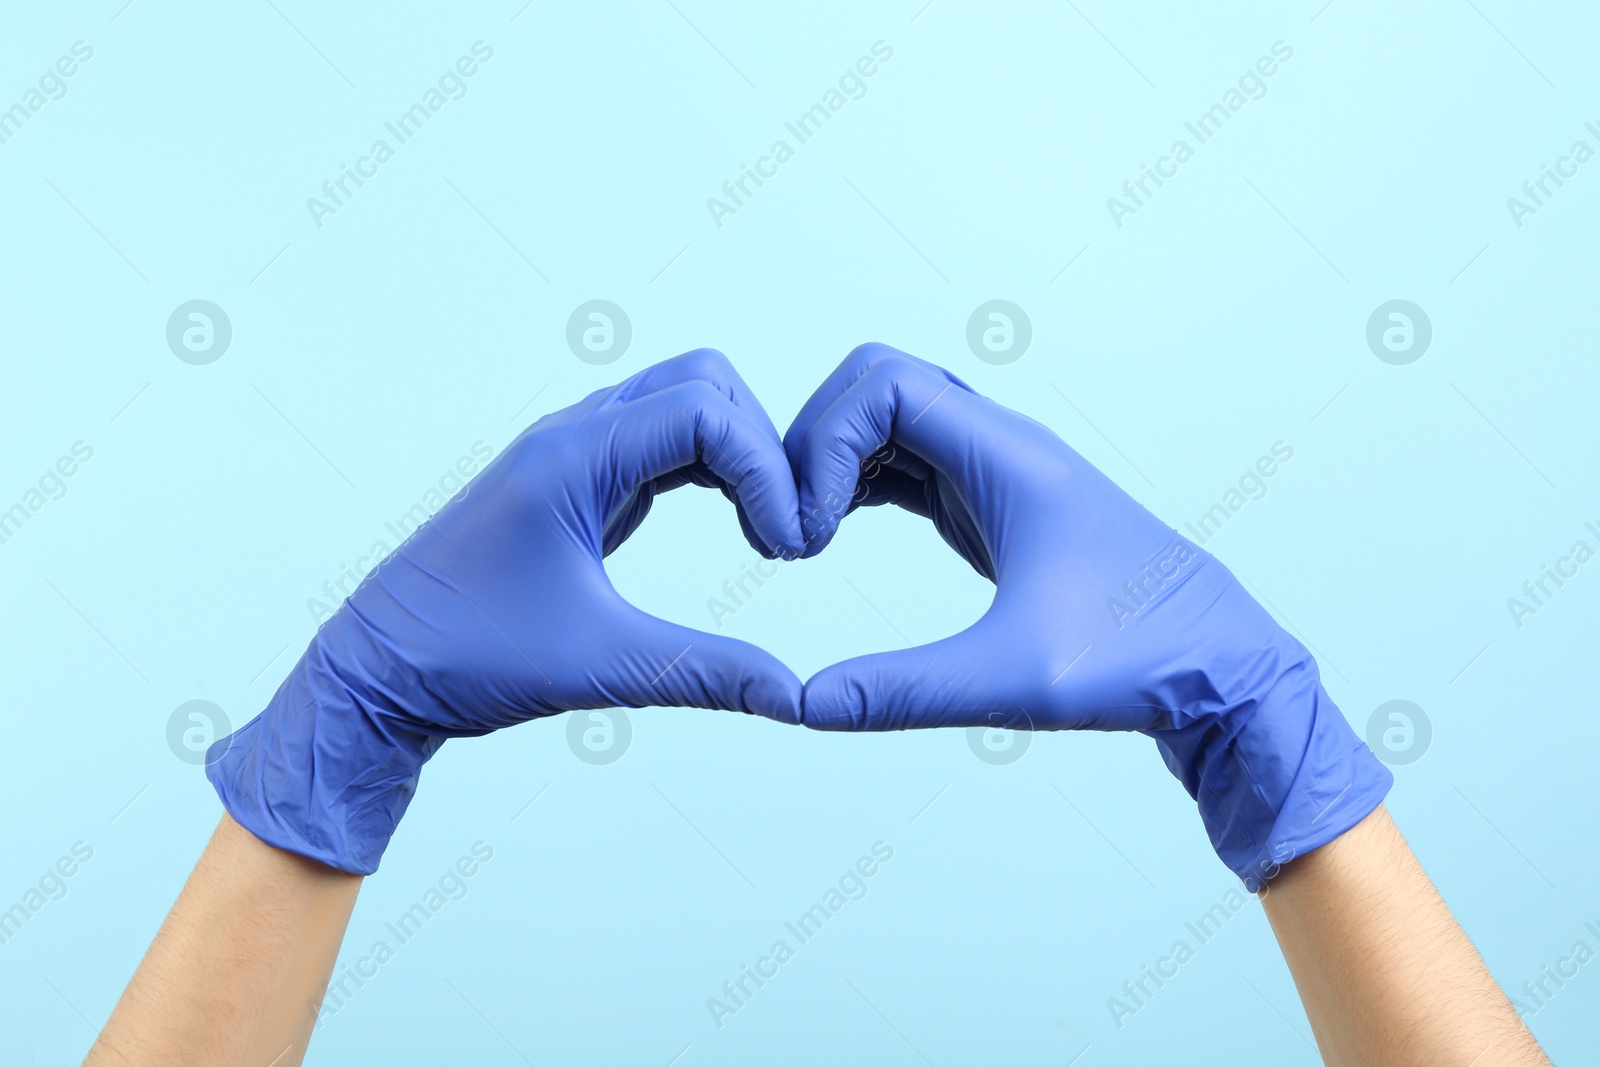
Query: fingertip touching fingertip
[778, 699]
[780, 545]
[816, 538]
[787, 547]
[824, 706]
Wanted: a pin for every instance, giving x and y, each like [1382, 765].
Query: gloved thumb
[953, 682]
[666, 665]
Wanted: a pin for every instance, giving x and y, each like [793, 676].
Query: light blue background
[371, 353]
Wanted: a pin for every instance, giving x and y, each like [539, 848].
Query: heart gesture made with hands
[498, 610]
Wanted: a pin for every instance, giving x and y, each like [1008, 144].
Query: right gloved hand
[1103, 618]
[498, 610]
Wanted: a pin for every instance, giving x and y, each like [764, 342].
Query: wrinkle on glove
[497, 610]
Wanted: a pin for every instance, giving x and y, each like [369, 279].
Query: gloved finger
[695, 422]
[894, 476]
[901, 460]
[666, 665]
[704, 365]
[702, 475]
[890, 486]
[899, 400]
[954, 682]
[885, 480]
[632, 514]
[707, 365]
[860, 360]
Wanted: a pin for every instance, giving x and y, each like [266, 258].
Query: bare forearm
[1384, 971]
[240, 961]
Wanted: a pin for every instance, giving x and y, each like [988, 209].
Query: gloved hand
[498, 610]
[1103, 618]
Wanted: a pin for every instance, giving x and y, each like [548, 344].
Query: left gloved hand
[498, 610]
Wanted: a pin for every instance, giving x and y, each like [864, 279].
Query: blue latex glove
[1104, 618]
[498, 610]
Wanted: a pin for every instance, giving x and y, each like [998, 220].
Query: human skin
[1235, 703]
[1386, 975]
[236, 967]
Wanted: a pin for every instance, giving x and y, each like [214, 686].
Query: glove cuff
[1295, 777]
[1276, 774]
[322, 771]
